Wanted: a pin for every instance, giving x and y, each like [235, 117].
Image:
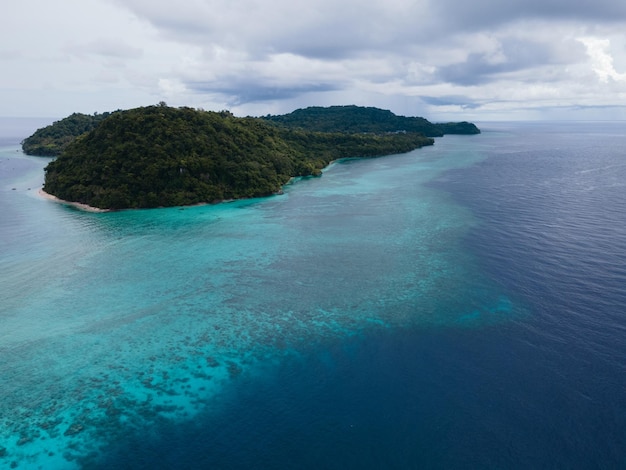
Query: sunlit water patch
[113, 323]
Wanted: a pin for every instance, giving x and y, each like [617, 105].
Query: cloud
[246, 93]
[105, 47]
[171, 88]
[9, 54]
[481, 14]
[424, 56]
[602, 61]
[463, 102]
[331, 29]
[510, 55]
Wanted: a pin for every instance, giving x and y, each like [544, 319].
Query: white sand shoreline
[77, 205]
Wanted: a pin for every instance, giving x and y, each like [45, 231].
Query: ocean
[459, 306]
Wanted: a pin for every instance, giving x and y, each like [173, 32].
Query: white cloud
[172, 88]
[105, 47]
[258, 56]
[601, 59]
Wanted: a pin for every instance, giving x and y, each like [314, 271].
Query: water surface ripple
[459, 305]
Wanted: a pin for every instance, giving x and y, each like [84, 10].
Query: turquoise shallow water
[118, 322]
[543, 218]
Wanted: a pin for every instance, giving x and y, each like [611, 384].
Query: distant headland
[160, 156]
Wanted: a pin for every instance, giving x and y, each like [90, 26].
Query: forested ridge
[51, 140]
[163, 156]
[358, 119]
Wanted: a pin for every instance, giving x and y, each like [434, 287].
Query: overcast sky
[441, 59]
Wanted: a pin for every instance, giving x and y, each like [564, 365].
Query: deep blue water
[460, 306]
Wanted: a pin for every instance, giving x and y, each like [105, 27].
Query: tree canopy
[359, 119]
[163, 156]
[51, 140]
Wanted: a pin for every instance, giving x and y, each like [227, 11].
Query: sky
[441, 59]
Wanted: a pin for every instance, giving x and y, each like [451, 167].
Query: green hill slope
[359, 119]
[161, 156]
[51, 140]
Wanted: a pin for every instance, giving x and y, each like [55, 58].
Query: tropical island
[359, 119]
[160, 156]
[51, 140]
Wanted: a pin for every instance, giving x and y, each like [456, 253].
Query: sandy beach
[77, 205]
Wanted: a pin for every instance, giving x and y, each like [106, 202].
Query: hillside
[162, 156]
[359, 119]
[51, 140]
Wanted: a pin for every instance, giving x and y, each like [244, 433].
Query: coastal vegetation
[359, 119]
[51, 140]
[163, 156]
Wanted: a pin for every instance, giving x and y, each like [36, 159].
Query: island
[359, 119]
[51, 140]
[161, 156]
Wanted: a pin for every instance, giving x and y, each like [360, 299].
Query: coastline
[294, 179]
[77, 205]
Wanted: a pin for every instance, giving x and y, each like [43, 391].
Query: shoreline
[77, 205]
[292, 180]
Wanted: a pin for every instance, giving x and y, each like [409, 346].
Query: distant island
[160, 156]
[358, 119]
[51, 140]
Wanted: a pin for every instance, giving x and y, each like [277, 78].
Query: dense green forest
[359, 119]
[463, 127]
[163, 156]
[51, 140]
